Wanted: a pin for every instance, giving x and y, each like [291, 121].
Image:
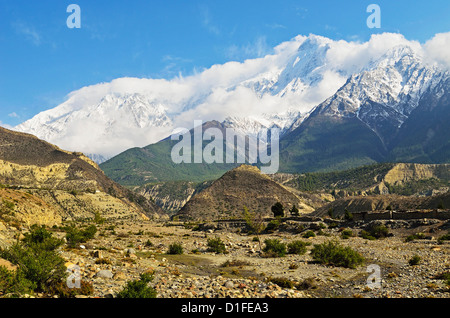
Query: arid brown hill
[227, 196]
[68, 182]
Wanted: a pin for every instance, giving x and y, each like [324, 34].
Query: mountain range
[337, 104]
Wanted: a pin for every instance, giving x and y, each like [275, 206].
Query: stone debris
[111, 260]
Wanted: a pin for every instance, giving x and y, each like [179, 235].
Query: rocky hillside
[382, 203]
[243, 186]
[386, 178]
[43, 184]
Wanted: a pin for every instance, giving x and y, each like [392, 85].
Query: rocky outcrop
[42, 184]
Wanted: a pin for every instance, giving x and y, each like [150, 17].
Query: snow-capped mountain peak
[373, 81]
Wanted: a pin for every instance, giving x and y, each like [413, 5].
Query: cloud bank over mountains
[108, 118]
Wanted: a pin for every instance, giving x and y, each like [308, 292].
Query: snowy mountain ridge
[373, 81]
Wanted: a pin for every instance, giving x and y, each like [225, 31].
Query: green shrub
[138, 288]
[14, 282]
[37, 259]
[216, 245]
[415, 260]
[375, 232]
[274, 248]
[347, 233]
[366, 235]
[417, 236]
[309, 234]
[379, 231]
[298, 247]
[98, 219]
[332, 253]
[294, 211]
[175, 249]
[76, 236]
[273, 225]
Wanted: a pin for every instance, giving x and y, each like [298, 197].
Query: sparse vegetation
[332, 253]
[297, 247]
[75, 236]
[274, 248]
[346, 233]
[375, 232]
[273, 225]
[138, 288]
[417, 236]
[235, 263]
[283, 282]
[255, 222]
[216, 245]
[309, 234]
[415, 260]
[39, 266]
[175, 249]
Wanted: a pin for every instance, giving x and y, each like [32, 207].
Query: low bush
[379, 231]
[417, 236]
[40, 267]
[347, 233]
[375, 232]
[332, 253]
[309, 234]
[415, 260]
[14, 283]
[216, 245]
[138, 288]
[298, 247]
[175, 249]
[75, 236]
[274, 248]
[273, 225]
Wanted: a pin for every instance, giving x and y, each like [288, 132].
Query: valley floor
[122, 251]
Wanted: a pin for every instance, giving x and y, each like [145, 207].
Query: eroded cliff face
[170, 201]
[404, 172]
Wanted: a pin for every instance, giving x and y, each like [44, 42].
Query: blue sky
[42, 60]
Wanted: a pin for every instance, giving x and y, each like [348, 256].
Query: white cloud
[438, 49]
[217, 92]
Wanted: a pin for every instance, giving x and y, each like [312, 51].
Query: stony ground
[122, 251]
